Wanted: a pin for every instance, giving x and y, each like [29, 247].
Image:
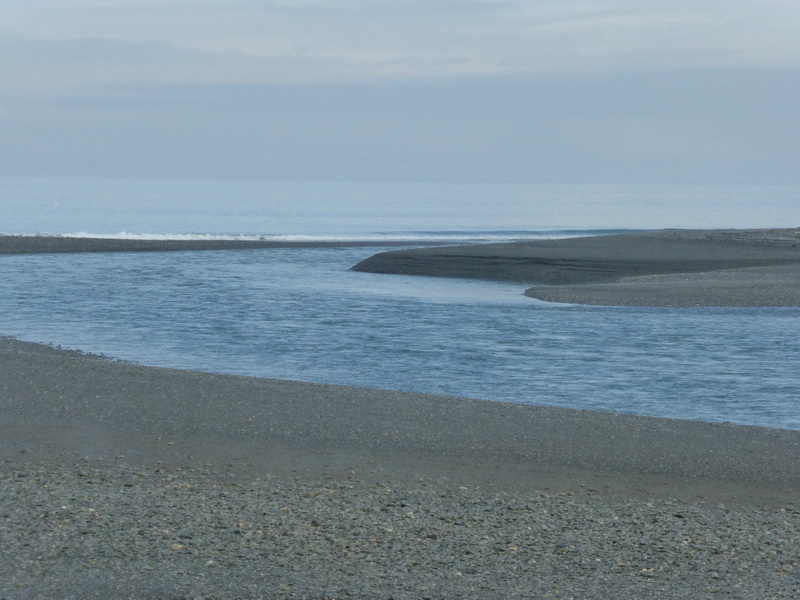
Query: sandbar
[673, 268]
[58, 244]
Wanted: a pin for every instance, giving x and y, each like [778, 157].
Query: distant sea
[301, 314]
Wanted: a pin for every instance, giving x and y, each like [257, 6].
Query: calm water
[301, 314]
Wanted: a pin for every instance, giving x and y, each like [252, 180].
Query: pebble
[77, 531]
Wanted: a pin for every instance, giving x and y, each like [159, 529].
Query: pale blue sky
[567, 91]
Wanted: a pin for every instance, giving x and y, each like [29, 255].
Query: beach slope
[118, 480]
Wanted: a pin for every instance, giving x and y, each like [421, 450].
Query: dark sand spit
[55, 244]
[124, 481]
[747, 268]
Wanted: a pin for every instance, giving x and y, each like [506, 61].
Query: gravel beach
[123, 481]
[681, 268]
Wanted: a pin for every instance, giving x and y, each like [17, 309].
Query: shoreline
[56, 244]
[118, 480]
[681, 268]
[205, 413]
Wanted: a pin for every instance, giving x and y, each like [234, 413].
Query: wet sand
[145, 482]
[747, 268]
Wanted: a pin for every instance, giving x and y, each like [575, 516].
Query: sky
[567, 91]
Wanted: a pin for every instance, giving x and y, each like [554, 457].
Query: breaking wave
[410, 236]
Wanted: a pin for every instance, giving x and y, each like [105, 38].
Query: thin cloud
[568, 90]
[379, 40]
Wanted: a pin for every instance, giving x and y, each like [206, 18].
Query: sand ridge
[681, 268]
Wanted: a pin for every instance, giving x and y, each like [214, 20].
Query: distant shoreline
[55, 244]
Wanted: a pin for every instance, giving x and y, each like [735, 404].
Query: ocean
[301, 314]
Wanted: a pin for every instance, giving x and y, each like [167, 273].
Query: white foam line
[398, 237]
